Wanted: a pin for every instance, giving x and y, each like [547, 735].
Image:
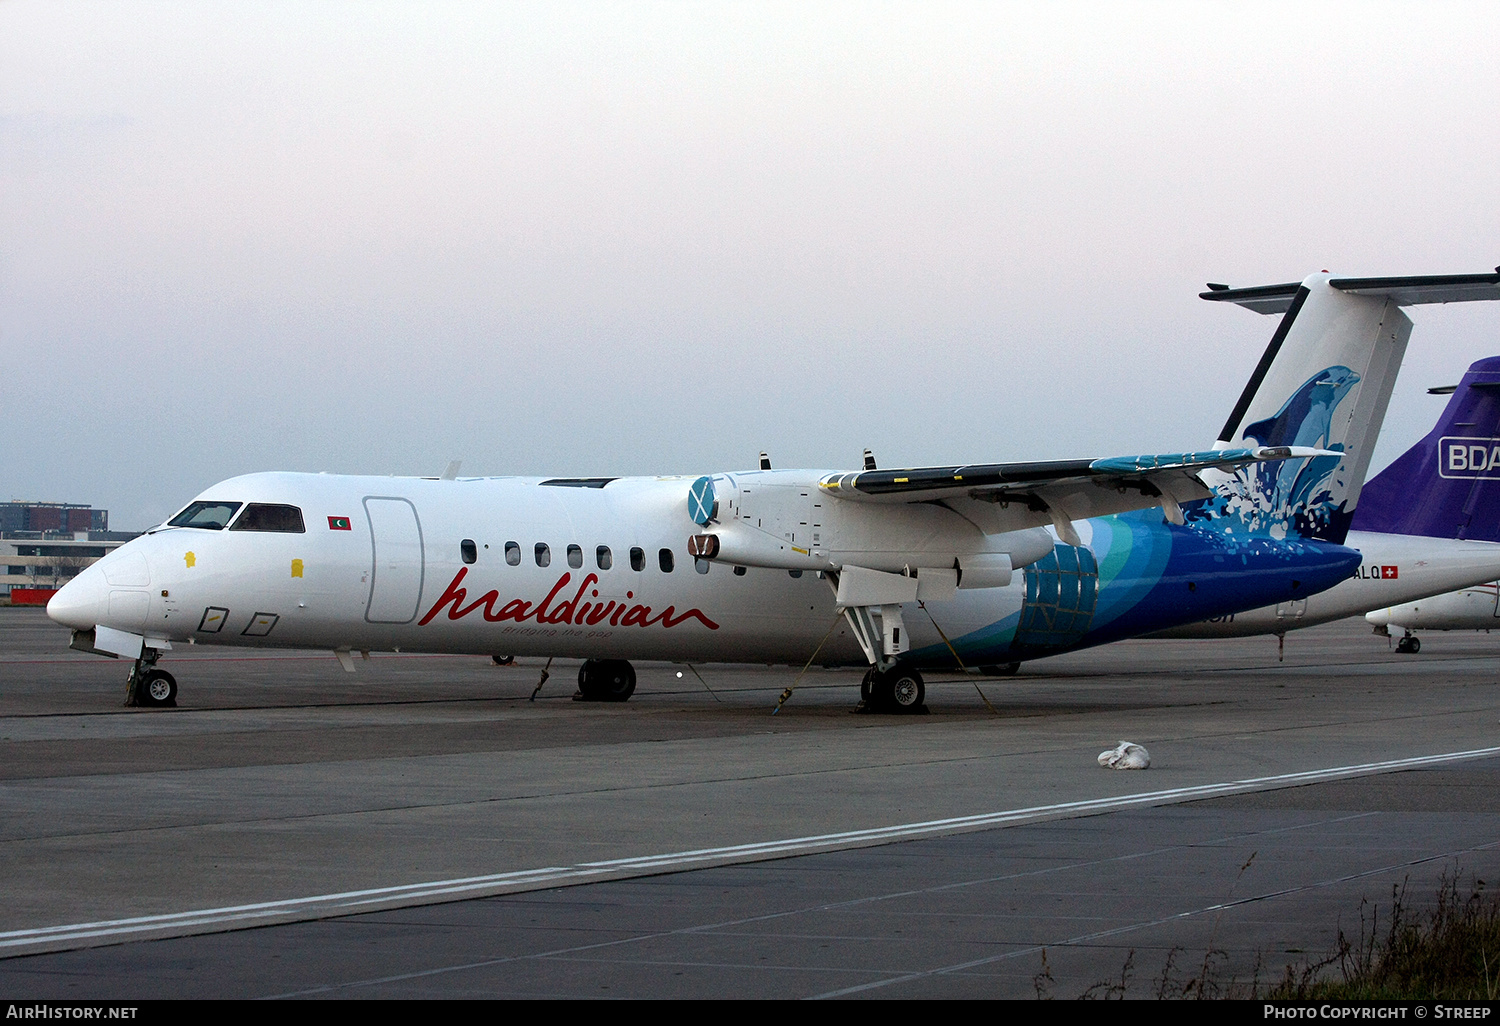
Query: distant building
[55, 517]
[43, 545]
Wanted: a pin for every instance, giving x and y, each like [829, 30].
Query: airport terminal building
[43, 545]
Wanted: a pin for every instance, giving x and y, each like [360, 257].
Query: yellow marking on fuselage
[190, 559]
[296, 568]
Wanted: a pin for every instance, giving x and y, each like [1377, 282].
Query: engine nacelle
[990, 567]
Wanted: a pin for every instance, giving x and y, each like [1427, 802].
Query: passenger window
[276, 519]
[700, 565]
[468, 550]
[211, 516]
[543, 554]
[795, 573]
[664, 557]
[739, 571]
[513, 553]
[603, 558]
[637, 559]
[575, 556]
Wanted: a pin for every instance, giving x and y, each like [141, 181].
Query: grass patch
[1449, 951]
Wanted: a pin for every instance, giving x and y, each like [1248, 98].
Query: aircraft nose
[114, 592]
[82, 602]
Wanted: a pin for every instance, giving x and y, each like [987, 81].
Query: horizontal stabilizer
[1403, 291]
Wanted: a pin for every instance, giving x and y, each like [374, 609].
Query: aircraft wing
[1011, 496]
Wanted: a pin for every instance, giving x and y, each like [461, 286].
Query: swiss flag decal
[1388, 573]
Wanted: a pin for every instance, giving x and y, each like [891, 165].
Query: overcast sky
[634, 239]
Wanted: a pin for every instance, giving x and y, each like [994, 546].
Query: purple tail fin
[1448, 484]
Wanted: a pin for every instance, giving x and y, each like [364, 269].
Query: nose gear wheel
[157, 690]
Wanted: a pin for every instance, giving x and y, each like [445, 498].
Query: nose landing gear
[1411, 644]
[158, 689]
[149, 687]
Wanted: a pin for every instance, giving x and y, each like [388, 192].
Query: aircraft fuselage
[510, 566]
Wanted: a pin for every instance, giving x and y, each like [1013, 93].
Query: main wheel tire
[897, 691]
[606, 680]
[867, 686]
[157, 689]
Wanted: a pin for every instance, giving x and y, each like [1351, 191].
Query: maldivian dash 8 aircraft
[781, 566]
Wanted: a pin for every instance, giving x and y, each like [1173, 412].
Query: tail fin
[1448, 484]
[1325, 380]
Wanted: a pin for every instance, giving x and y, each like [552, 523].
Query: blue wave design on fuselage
[1154, 575]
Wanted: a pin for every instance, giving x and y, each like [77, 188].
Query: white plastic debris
[1128, 756]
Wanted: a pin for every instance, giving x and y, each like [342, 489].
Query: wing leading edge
[1058, 490]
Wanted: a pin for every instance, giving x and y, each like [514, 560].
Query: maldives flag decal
[1388, 573]
[339, 524]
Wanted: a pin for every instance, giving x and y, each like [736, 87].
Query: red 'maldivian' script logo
[573, 611]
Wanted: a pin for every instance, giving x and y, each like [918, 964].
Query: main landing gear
[897, 690]
[1411, 644]
[149, 687]
[605, 680]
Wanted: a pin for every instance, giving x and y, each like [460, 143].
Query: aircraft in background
[1427, 524]
[1468, 609]
[1462, 461]
[758, 566]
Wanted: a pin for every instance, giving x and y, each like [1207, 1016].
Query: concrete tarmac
[405, 830]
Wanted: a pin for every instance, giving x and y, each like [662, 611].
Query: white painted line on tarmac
[321, 905]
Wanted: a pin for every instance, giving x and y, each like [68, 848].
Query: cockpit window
[211, 516]
[265, 516]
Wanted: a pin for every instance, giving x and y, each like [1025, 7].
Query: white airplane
[902, 570]
[1427, 524]
[1468, 609]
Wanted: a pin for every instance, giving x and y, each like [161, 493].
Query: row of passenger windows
[604, 558]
